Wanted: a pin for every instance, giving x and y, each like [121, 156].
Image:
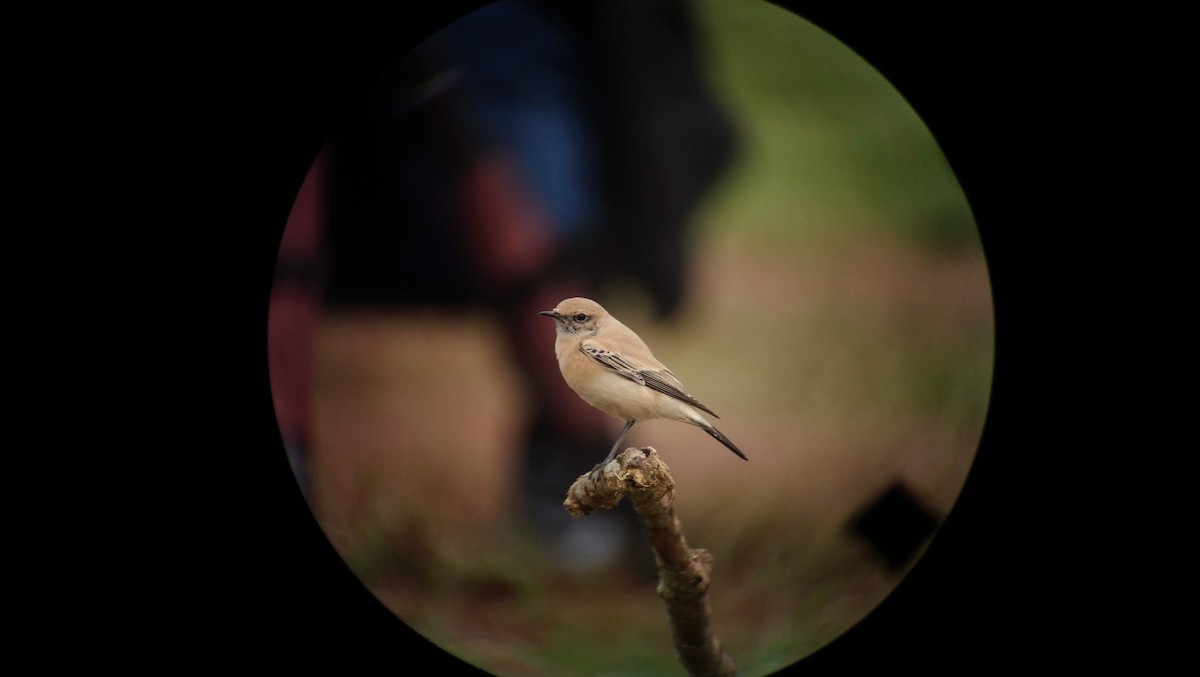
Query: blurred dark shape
[528, 152]
[590, 121]
[896, 525]
[665, 138]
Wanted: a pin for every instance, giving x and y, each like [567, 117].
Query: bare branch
[683, 572]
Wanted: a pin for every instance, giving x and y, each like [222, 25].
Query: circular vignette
[891, 521]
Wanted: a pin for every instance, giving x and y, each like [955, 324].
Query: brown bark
[683, 572]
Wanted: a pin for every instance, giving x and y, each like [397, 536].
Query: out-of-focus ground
[824, 382]
[840, 322]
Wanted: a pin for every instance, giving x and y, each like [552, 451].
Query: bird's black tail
[724, 440]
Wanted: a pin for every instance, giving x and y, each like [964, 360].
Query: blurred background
[742, 190]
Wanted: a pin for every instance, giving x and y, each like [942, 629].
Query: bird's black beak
[549, 313]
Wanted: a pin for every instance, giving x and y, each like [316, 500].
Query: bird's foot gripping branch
[683, 572]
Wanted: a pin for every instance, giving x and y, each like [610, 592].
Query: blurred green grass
[832, 150]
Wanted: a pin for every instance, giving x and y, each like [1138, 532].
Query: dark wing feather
[661, 380]
[613, 362]
[665, 382]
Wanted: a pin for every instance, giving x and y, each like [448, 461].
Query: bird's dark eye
[581, 317]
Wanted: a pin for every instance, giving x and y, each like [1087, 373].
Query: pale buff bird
[612, 369]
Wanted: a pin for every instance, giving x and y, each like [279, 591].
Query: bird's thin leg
[616, 445]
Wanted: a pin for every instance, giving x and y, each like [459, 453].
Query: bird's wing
[661, 380]
[613, 361]
[665, 382]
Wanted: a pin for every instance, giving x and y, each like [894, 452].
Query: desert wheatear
[611, 368]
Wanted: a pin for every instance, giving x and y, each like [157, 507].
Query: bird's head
[577, 315]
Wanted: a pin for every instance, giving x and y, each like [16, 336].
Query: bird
[612, 369]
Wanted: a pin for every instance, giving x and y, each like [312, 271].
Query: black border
[982, 597]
